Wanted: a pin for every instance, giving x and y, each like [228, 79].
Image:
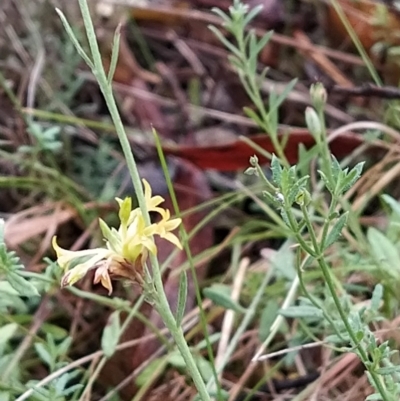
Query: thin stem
[161, 299]
[328, 279]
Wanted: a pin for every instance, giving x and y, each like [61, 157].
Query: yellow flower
[126, 249]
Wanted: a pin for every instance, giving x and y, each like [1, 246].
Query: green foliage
[244, 58]
[10, 269]
[290, 193]
[94, 167]
[45, 140]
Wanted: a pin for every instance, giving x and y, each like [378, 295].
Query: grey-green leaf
[220, 294]
[182, 296]
[7, 332]
[276, 169]
[111, 333]
[301, 311]
[384, 252]
[23, 286]
[336, 230]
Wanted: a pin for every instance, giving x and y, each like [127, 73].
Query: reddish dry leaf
[24, 226]
[235, 155]
[372, 22]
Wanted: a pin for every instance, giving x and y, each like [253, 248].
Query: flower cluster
[126, 249]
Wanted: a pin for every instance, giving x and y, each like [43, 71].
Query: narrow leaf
[388, 370]
[301, 311]
[220, 294]
[114, 54]
[263, 41]
[253, 115]
[23, 286]
[276, 170]
[7, 332]
[376, 298]
[384, 252]
[336, 230]
[74, 40]
[393, 203]
[252, 14]
[268, 317]
[111, 333]
[352, 177]
[281, 98]
[44, 354]
[326, 181]
[182, 297]
[225, 41]
[336, 169]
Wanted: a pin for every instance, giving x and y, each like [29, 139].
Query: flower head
[126, 249]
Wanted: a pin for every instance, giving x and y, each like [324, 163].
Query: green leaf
[111, 334]
[203, 344]
[252, 14]
[376, 298]
[374, 397]
[7, 332]
[253, 115]
[109, 234]
[23, 286]
[114, 55]
[44, 354]
[182, 297]
[336, 169]
[263, 41]
[276, 169]
[147, 373]
[225, 41]
[352, 177]
[74, 40]
[336, 230]
[221, 14]
[388, 370]
[301, 311]
[5, 396]
[393, 203]
[204, 366]
[125, 208]
[220, 294]
[384, 252]
[268, 316]
[283, 261]
[277, 101]
[253, 55]
[326, 181]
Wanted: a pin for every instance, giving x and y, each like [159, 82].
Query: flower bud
[303, 197]
[318, 95]
[254, 161]
[313, 122]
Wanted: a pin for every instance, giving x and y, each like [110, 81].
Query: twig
[368, 90]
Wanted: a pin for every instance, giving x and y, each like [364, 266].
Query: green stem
[311, 297]
[249, 79]
[162, 301]
[328, 279]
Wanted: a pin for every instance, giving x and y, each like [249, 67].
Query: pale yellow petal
[173, 239]
[77, 272]
[65, 256]
[149, 244]
[151, 201]
[172, 224]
